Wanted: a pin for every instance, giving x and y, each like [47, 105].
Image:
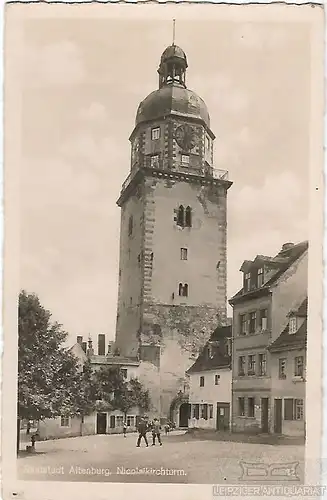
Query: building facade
[272, 286]
[100, 421]
[210, 392]
[288, 374]
[172, 264]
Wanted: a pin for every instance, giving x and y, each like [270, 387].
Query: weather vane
[174, 25]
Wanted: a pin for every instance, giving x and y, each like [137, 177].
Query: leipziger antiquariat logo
[269, 472]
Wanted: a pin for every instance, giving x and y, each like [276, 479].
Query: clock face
[185, 137]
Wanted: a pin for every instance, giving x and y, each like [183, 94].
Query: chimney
[90, 351]
[110, 347]
[79, 339]
[101, 344]
[287, 246]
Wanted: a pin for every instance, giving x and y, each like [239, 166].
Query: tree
[49, 378]
[116, 393]
[130, 395]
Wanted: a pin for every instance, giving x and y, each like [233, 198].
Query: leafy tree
[118, 394]
[49, 378]
[87, 392]
[131, 394]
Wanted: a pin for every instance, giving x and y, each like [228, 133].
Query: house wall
[50, 428]
[209, 394]
[246, 423]
[290, 387]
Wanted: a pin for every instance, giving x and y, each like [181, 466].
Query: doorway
[223, 416]
[183, 415]
[264, 415]
[101, 423]
[278, 416]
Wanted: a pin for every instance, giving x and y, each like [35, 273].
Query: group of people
[145, 426]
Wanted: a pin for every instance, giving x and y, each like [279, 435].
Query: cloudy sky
[81, 85]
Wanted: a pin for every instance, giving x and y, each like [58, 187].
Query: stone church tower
[172, 271]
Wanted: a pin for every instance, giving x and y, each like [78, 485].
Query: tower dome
[172, 97]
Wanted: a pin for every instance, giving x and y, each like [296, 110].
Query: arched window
[183, 290]
[188, 217]
[180, 216]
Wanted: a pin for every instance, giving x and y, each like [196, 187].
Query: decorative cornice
[169, 175]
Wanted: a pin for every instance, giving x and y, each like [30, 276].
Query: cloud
[95, 112]
[57, 64]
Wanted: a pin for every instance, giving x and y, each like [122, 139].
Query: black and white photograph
[163, 251]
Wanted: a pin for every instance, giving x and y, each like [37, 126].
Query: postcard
[163, 257]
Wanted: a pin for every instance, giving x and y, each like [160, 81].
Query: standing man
[156, 427]
[124, 429]
[142, 429]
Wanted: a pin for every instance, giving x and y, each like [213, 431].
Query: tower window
[184, 216]
[188, 217]
[130, 226]
[185, 159]
[180, 216]
[183, 253]
[183, 290]
[207, 143]
[154, 161]
[155, 133]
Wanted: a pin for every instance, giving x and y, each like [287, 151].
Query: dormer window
[292, 325]
[260, 277]
[247, 282]
[185, 159]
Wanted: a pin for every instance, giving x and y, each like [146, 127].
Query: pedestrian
[124, 429]
[142, 430]
[167, 428]
[156, 427]
[28, 427]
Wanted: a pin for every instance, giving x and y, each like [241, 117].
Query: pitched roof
[299, 338]
[219, 358]
[285, 258]
[288, 340]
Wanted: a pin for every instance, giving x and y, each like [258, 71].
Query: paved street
[181, 459]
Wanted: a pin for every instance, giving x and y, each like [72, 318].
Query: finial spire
[174, 27]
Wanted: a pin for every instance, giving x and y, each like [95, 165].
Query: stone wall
[179, 332]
